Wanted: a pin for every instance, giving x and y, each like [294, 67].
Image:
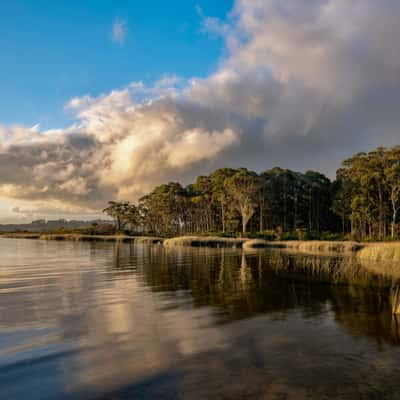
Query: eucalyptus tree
[243, 187]
[123, 213]
[373, 179]
[341, 200]
[220, 194]
[392, 182]
[163, 210]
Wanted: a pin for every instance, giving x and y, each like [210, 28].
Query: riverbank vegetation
[361, 204]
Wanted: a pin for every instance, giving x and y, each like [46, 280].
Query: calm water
[109, 321]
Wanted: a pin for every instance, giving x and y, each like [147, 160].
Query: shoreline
[382, 257]
[371, 251]
[198, 241]
[84, 237]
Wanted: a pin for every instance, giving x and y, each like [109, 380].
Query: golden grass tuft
[206, 241]
[85, 238]
[256, 244]
[316, 246]
[386, 252]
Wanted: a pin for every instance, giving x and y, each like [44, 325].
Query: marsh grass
[386, 252]
[86, 238]
[321, 246]
[206, 241]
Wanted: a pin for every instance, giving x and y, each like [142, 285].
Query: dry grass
[247, 244]
[208, 241]
[257, 244]
[21, 235]
[86, 238]
[387, 252]
[149, 240]
[316, 246]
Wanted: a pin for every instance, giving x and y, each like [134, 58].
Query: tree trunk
[393, 228]
[223, 216]
[244, 224]
[380, 196]
[261, 216]
[343, 223]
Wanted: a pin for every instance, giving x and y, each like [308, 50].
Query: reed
[321, 246]
[257, 244]
[395, 299]
[200, 241]
[85, 238]
[386, 252]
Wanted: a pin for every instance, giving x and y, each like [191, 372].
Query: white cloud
[303, 85]
[119, 31]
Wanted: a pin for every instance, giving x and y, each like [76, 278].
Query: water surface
[122, 321]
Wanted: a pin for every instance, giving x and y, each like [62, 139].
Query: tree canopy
[363, 201]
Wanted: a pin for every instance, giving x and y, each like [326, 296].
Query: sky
[104, 100]
[52, 51]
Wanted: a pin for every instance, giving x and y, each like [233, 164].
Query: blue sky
[52, 50]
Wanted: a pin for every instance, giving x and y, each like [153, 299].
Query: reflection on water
[123, 321]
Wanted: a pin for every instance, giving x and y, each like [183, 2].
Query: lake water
[121, 321]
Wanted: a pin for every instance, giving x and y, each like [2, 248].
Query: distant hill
[42, 225]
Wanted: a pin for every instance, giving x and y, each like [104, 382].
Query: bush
[333, 236]
[289, 236]
[266, 235]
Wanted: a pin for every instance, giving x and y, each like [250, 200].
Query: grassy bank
[248, 244]
[85, 238]
[377, 252]
[204, 241]
[381, 252]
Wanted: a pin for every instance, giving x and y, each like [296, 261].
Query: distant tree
[123, 213]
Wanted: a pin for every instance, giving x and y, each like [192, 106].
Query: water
[122, 321]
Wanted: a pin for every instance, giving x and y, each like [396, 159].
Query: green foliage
[289, 236]
[331, 236]
[368, 194]
[269, 235]
[362, 204]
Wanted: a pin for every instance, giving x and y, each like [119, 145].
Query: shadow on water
[125, 321]
[241, 285]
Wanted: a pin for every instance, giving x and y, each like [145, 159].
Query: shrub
[333, 236]
[266, 235]
[289, 236]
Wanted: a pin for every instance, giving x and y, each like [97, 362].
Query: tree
[364, 199]
[392, 182]
[123, 213]
[220, 194]
[341, 200]
[243, 187]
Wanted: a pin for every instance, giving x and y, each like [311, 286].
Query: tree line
[362, 202]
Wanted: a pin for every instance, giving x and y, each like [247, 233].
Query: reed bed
[207, 241]
[321, 246]
[21, 235]
[387, 252]
[85, 238]
[257, 244]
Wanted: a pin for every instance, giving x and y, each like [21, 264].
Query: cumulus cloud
[303, 85]
[119, 30]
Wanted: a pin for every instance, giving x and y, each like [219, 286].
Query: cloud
[119, 31]
[303, 85]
